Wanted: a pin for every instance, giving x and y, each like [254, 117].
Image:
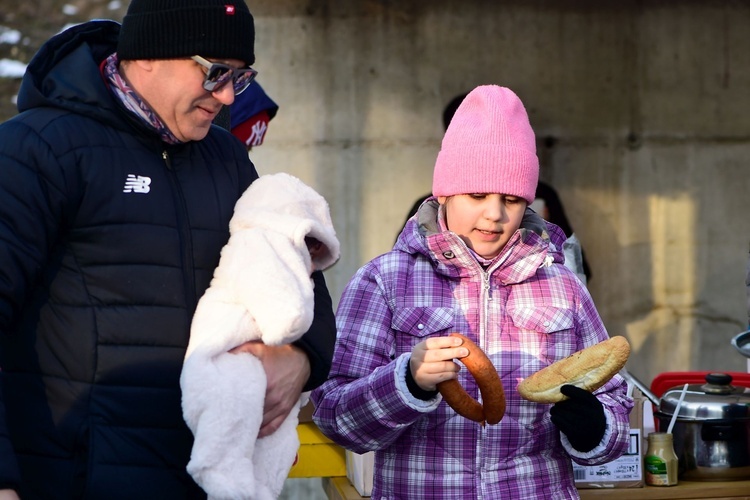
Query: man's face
[484, 221]
[174, 90]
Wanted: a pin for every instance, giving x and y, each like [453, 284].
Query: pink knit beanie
[489, 147]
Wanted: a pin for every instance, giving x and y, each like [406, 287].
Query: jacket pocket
[544, 319]
[422, 321]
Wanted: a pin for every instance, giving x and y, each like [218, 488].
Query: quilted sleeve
[319, 340]
[32, 209]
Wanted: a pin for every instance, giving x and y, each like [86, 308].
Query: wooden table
[703, 490]
[339, 488]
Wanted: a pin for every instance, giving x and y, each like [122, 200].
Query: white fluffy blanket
[261, 290]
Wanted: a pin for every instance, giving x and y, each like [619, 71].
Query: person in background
[117, 194]
[475, 260]
[548, 204]
[250, 114]
[448, 112]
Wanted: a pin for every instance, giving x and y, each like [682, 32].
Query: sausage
[490, 386]
[589, 369]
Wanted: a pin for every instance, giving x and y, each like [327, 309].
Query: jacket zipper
[486, 297]
[183, 228]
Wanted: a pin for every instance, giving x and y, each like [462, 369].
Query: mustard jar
[660, 461]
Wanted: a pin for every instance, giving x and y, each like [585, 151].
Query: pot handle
[641, 386]
[720, 432]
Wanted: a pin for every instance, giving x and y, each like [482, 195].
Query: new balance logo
[137, 184]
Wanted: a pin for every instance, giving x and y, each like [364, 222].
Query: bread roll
[589, 369]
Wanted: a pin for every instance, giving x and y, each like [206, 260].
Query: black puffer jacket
[108, 237]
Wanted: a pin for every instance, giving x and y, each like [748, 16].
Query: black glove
[581, 418]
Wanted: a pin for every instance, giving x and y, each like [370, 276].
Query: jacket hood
[281, 203]
[65, 73]
[537, 243]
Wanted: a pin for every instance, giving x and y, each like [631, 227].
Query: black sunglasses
[218, 75]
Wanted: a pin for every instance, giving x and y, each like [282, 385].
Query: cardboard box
[626, 471]
[359, 471]
[318, 456]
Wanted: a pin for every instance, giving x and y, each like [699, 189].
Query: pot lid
[716, 399]
[741, 342]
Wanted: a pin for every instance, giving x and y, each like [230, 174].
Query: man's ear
[144, 64]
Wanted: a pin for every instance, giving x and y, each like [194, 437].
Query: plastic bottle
[660, 461]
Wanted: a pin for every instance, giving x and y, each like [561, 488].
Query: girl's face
[484, 221]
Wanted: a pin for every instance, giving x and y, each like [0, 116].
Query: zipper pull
[165, 157]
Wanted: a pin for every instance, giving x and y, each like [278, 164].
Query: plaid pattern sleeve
[617, 405]
[363, 405]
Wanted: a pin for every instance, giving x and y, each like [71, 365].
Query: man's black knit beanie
[173, 29]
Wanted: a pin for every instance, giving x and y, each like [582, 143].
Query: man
[117, 193]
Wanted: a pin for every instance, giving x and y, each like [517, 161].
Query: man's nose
[225, 94]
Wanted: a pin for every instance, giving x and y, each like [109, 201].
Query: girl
[473, 260]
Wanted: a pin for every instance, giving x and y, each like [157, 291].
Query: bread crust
[589, 369]
[490, 386]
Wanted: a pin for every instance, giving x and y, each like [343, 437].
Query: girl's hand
[432, 361]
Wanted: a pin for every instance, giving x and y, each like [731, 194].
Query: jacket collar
[535, 244]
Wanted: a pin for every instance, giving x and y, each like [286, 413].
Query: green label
[655, 465]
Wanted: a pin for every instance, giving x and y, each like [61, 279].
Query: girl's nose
[494, 209]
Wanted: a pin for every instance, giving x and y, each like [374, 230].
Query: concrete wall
[641, 112]
[641, 109]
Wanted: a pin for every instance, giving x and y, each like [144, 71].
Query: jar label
[658, 472]
[655, 465]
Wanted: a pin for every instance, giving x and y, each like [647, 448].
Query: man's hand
[432, 362]
[8, 495]
[287, 369]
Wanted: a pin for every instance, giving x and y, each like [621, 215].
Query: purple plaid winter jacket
[526, 310]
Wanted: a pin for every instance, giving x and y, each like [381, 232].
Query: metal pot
[712, 430]
[741, 342]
